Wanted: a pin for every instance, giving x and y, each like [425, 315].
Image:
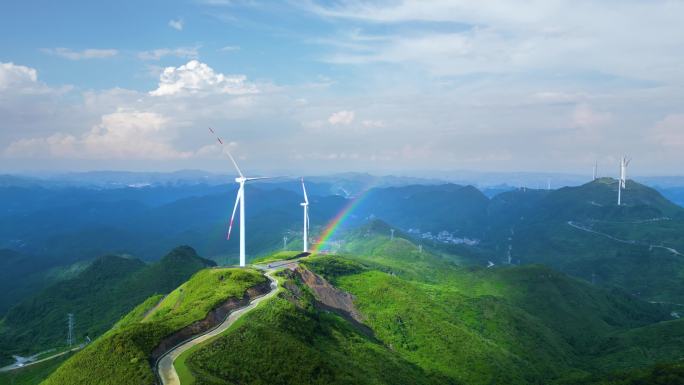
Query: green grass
[659, 374]
[32, 374]
[542, 235]
[185, 374]
[205, 291]
[121, 355]
[513, 325]
[288, 341]
[100, 295]
[278, 256]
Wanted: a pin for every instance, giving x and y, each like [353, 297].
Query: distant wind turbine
[595, 169]
[240, 199]
[622, 182]
[305, 204]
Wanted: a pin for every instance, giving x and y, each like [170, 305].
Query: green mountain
[98, 296]
[456, 208]
[424, 319]
[123, 355]
[581, 231]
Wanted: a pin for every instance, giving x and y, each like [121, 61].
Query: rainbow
[335, 223]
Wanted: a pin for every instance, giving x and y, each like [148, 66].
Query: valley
[578, 302]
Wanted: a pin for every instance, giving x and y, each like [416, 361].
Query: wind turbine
[240, 180]
[622, 182]
[595, 169]
[305, 204]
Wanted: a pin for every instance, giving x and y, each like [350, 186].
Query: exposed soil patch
[330, 298]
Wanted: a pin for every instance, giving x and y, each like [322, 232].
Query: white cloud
[81, 55]
[195, 77]
[16, 76]
[585, 117]
[501, 36]
[119, 135]
[181, 52]
[373, 123]
[341, 117]
[176, 24]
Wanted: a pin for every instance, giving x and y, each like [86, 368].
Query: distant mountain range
[44, 230]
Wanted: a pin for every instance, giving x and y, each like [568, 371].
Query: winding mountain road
[164, 366]
[627, 241]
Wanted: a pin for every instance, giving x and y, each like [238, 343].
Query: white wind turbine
[622, 182]
[241, 179]
[305, 204]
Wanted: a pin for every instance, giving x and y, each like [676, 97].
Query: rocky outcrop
[214, 318]
[328, 295]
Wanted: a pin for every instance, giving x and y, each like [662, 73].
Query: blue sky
[379, 86]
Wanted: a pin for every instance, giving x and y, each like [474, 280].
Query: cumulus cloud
[119, 135]
[81, 55]
[176, 24]
[16, 76]
[195, 77]
[343, 117]
[158, 54]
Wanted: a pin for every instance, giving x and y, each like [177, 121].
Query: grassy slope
[542, 235]
[287, 341]
[33, 374]
[659, 374]
[121, 356]
[109, 288]
[510, 325]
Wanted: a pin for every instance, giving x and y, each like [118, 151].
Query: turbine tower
[240, 199]
[622, 182]
[595, 169]
[305, 204]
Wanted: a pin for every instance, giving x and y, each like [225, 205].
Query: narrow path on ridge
[627, 241]
[164, 366]
[15, 366]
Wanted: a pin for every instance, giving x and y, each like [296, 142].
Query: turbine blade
[260, 178]
[225, 150]
[306, 199]
[232, 217]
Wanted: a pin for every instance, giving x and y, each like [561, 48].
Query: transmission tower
[70, 333]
